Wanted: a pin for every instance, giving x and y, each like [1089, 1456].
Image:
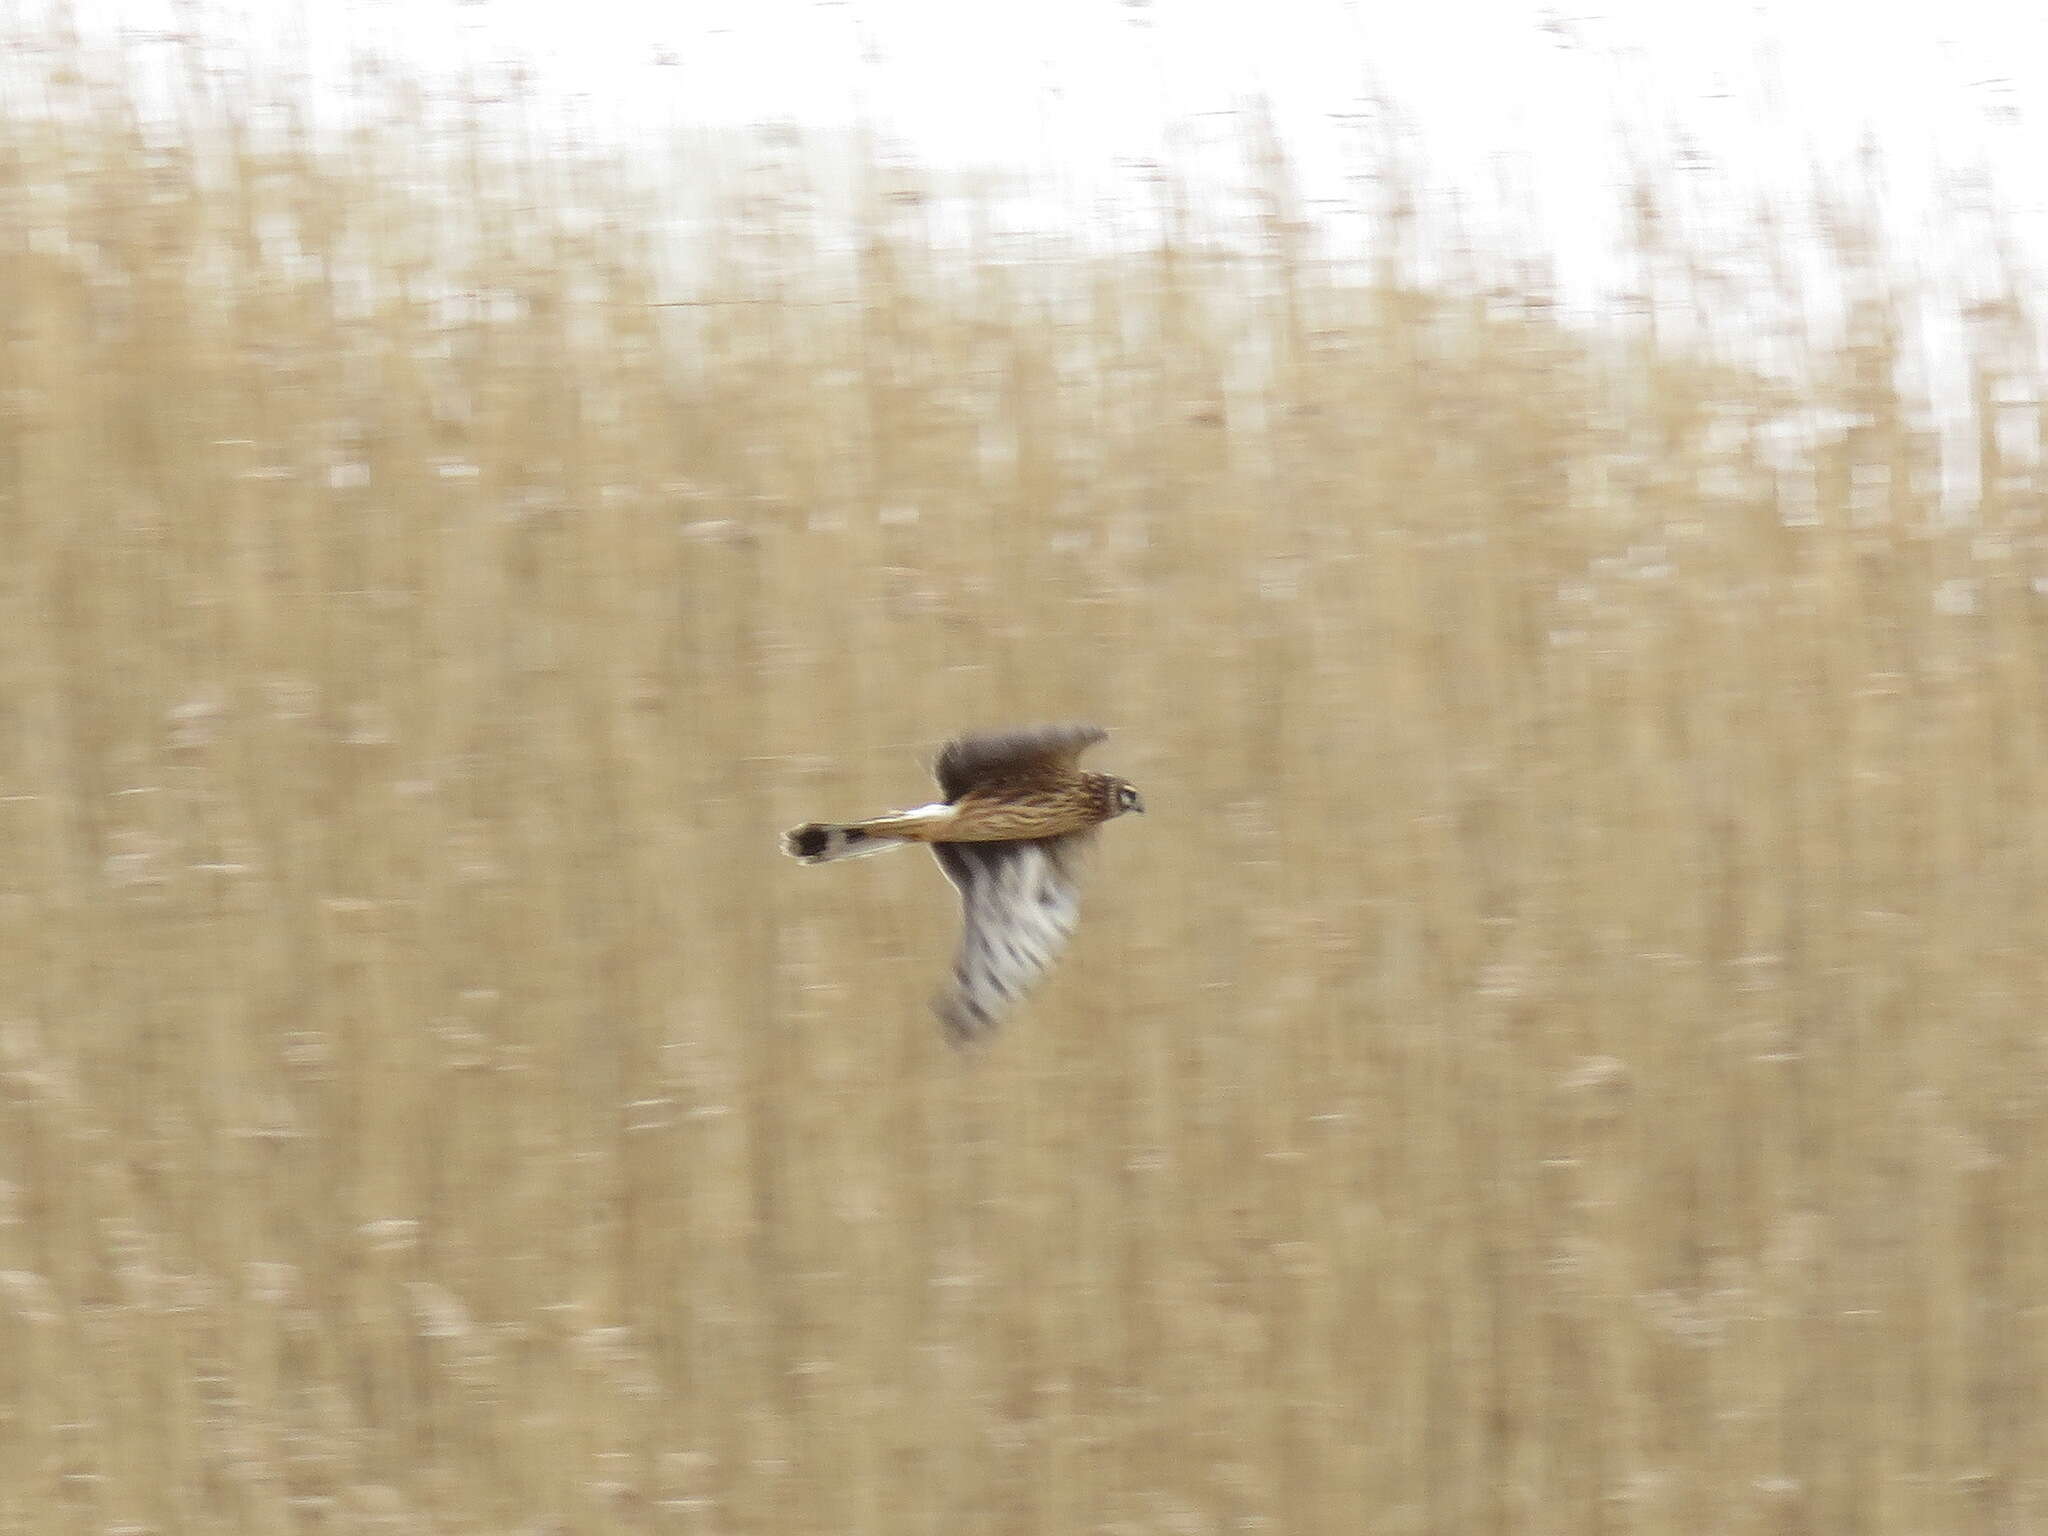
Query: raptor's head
[1124, 797]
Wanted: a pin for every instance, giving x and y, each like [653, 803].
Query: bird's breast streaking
[1018, 812]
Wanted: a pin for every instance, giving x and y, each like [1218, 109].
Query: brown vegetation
[1563, 1053]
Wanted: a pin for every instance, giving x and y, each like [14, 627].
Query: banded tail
[821, 842]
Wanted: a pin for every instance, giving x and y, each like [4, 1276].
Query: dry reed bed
[1564, 1052]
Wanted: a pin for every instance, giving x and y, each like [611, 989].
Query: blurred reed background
[1564, 1053]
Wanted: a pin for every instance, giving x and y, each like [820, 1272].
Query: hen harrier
[1009, 834]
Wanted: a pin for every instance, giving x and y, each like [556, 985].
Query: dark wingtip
[964, 1026]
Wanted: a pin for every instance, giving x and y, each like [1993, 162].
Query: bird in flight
[1017, 813]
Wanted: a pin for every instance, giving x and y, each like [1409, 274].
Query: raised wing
[1039, 749]
[1020, 902]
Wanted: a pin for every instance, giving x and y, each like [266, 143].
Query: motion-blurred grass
[1564, 1053]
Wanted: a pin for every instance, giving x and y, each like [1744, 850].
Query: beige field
[1566, 1051]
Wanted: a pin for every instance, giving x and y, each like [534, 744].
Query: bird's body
[1008, 835]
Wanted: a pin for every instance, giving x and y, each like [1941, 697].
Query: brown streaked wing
[1019, 904]
[971, 760]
